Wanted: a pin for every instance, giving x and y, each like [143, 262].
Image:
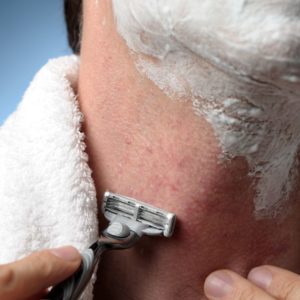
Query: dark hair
[73, 18]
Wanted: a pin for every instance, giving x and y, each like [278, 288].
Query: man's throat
[173, 163]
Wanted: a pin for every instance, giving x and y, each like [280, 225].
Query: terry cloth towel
[47, 195]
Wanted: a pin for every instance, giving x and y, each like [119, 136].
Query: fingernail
[218, 285]
[67, 253]
[261, 276]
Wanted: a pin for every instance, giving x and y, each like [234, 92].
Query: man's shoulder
[45, 182]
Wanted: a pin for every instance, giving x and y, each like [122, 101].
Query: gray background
[31, 32]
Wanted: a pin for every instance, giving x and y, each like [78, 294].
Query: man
[144, 144]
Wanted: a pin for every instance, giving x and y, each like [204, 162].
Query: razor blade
[138, 216]
[129, 221]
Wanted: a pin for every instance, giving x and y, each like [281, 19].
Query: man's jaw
[145, 145]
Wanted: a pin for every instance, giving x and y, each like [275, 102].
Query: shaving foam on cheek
[213, 53]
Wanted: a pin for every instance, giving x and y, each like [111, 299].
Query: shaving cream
[238, 62]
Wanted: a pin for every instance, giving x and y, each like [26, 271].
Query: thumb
[28, 276]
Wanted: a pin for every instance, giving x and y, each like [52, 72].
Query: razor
[129, 220]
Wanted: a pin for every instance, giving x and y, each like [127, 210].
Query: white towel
[47, 195]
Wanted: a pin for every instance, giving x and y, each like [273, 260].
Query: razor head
[137, 215]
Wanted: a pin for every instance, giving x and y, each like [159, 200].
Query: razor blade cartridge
[155, 221]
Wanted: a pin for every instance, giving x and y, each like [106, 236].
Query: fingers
[30, 275]
[41, 295]
[227, 285]
[279, 283]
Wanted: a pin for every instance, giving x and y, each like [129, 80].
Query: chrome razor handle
[73, 287]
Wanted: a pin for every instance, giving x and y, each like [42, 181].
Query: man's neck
[144, 145]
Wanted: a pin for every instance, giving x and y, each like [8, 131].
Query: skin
[264, 283]
[143, 144]
[29, 278]
[188, 40]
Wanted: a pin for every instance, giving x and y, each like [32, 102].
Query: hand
[263, 283]
[30, 277]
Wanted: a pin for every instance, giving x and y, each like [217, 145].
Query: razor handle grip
[73, 287]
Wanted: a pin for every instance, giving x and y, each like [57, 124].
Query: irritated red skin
[216, 227]
[143, 145]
